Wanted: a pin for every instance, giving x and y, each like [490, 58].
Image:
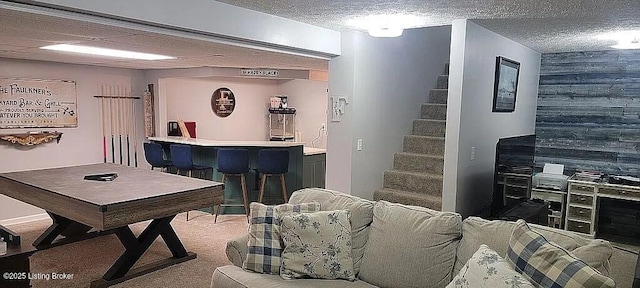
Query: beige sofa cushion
[477, 231]
[410, 246]
[361, 214]
[231, 276]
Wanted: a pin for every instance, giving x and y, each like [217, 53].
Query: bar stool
[183, 160]
[155, 156]
[234, 162]
[273, 162]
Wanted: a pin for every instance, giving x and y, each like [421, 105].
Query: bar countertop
[219, 143]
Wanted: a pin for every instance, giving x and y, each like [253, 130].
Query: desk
[76, 206]
[582, 203]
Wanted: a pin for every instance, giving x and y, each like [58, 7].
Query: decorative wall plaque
[223, 102]
[27, 103]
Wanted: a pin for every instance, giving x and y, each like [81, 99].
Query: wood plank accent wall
[588, 115]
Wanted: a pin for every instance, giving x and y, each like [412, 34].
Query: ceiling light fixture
[633, 44]
[626, 39]
[106, 52]
[386, 25]
[385, 32]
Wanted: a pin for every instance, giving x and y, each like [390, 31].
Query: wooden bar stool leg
[215, 219]
[284, 189]
[263, 183]
[245, 195]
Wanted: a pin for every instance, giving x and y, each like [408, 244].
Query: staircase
[416, 177]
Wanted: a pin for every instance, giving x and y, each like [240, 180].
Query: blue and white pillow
[487, 269]
[317, 245]
[265, 243]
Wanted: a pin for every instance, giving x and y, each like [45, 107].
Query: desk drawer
[548, 196]
[579, 227]
[581, 199]
[581, 188]
[580, 213]
[517, 181]
[517, 192]
[620, 192]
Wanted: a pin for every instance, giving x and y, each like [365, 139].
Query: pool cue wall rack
[119, 132]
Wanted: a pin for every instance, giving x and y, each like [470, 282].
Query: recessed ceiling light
[386, 25]
[626, 39]
[634, 44]
[106, 52]
[385, 32]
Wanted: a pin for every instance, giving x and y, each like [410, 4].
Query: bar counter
[204, 153]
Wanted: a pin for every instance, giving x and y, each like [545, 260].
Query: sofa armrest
[237, 249]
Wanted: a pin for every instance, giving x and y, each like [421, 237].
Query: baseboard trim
[24, 219]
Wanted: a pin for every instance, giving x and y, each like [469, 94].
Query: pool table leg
[135, 247]
[71, 230]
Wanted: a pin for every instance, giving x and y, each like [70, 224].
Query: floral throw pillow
[265, 244]
[487, 269]
[317, 245]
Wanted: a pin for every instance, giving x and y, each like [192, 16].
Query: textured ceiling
[544, 25]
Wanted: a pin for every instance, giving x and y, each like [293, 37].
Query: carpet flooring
[88, 260]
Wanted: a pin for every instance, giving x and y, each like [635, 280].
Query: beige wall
[310, 100]
[81, 145]
[189, 99]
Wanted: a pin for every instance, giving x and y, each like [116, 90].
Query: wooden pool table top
[135, 195]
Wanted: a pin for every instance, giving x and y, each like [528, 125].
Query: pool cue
[127, 124]
[119, 101]
[135, 136]
[104, 130]
[111, 124]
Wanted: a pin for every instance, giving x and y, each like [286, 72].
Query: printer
[551, 177]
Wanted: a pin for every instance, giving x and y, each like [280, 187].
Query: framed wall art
[505, 85]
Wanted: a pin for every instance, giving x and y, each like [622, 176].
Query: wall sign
[26, 103]
[223, 102]
[259, 72]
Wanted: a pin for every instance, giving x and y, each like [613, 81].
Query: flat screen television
[513, 171]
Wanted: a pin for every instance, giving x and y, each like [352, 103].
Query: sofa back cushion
[361, 215]
[410, 246]
[496, 233]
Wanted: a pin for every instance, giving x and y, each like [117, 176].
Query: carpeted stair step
[434, 111]
[443, 82]
[413, 182]
[438, 96]
[408, 198]
[421, 163]
[423, 145]
[428, 127]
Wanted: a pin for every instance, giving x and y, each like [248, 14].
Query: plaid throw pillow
[548, 264]
[265, 242]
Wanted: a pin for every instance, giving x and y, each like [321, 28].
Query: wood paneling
[588, 115]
